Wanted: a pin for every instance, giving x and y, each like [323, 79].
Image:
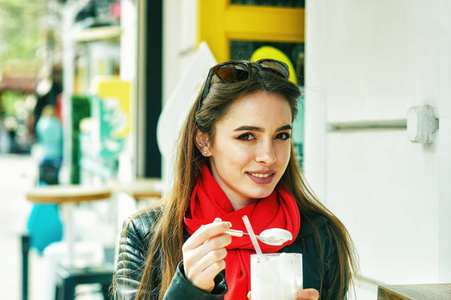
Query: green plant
[81, 108]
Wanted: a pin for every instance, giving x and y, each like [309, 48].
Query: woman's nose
[266, 153]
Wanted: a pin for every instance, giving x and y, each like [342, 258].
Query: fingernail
[230, 224]
[217, 220]
[300, 294]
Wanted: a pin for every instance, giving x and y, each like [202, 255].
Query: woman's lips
[261, 177]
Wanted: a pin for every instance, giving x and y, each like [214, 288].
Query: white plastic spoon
[272, 236]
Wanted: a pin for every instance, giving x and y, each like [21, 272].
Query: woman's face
[251, 147]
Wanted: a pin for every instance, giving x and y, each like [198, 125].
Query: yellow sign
[220, 22]
[113, 89]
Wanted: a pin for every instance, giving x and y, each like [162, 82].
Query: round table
[140, 188]
[61, 194]
[68, 196]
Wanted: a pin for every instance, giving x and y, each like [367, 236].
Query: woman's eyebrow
[253, 128]
[248, 128]
[286, 127]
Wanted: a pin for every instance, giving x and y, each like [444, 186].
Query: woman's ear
[202, 142]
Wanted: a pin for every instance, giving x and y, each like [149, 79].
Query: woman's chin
[261, 194]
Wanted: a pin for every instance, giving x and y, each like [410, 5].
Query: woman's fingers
[206, 232]
[204, 253]
[213, 256]
[214, 270]
[207, 238]
[210, 252]
[307, 294]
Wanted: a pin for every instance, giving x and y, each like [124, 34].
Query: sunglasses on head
[237, 71]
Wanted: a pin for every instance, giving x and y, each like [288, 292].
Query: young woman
[235, 157]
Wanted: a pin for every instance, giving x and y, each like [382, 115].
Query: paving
[17, 174]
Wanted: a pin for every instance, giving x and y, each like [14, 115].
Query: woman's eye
[283, 136]
[246, 137]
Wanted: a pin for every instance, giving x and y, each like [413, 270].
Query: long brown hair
[167, 233]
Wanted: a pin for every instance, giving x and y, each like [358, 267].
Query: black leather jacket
[133, 249]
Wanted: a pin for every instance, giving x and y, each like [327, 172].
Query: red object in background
[18, 82]
[115, 10]
[59, 107]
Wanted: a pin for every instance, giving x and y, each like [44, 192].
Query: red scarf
[278, 210]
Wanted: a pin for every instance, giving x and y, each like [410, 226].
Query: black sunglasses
[237, 71]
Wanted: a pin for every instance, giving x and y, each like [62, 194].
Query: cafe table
[439, 291]
[68, 196]
[140, 189]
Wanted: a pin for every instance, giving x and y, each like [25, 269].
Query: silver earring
[205, 152]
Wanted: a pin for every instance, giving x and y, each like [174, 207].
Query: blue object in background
[44, 226]
[50, 137]
[299, 129]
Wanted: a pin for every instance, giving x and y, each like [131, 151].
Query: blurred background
[92, 93]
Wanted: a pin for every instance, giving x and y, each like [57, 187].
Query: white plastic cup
[276, 276]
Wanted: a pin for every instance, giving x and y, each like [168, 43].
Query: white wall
[179, 47]
[179, 40]
[368, 62]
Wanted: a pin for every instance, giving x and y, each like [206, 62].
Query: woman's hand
[307, 294]
[204, 253]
